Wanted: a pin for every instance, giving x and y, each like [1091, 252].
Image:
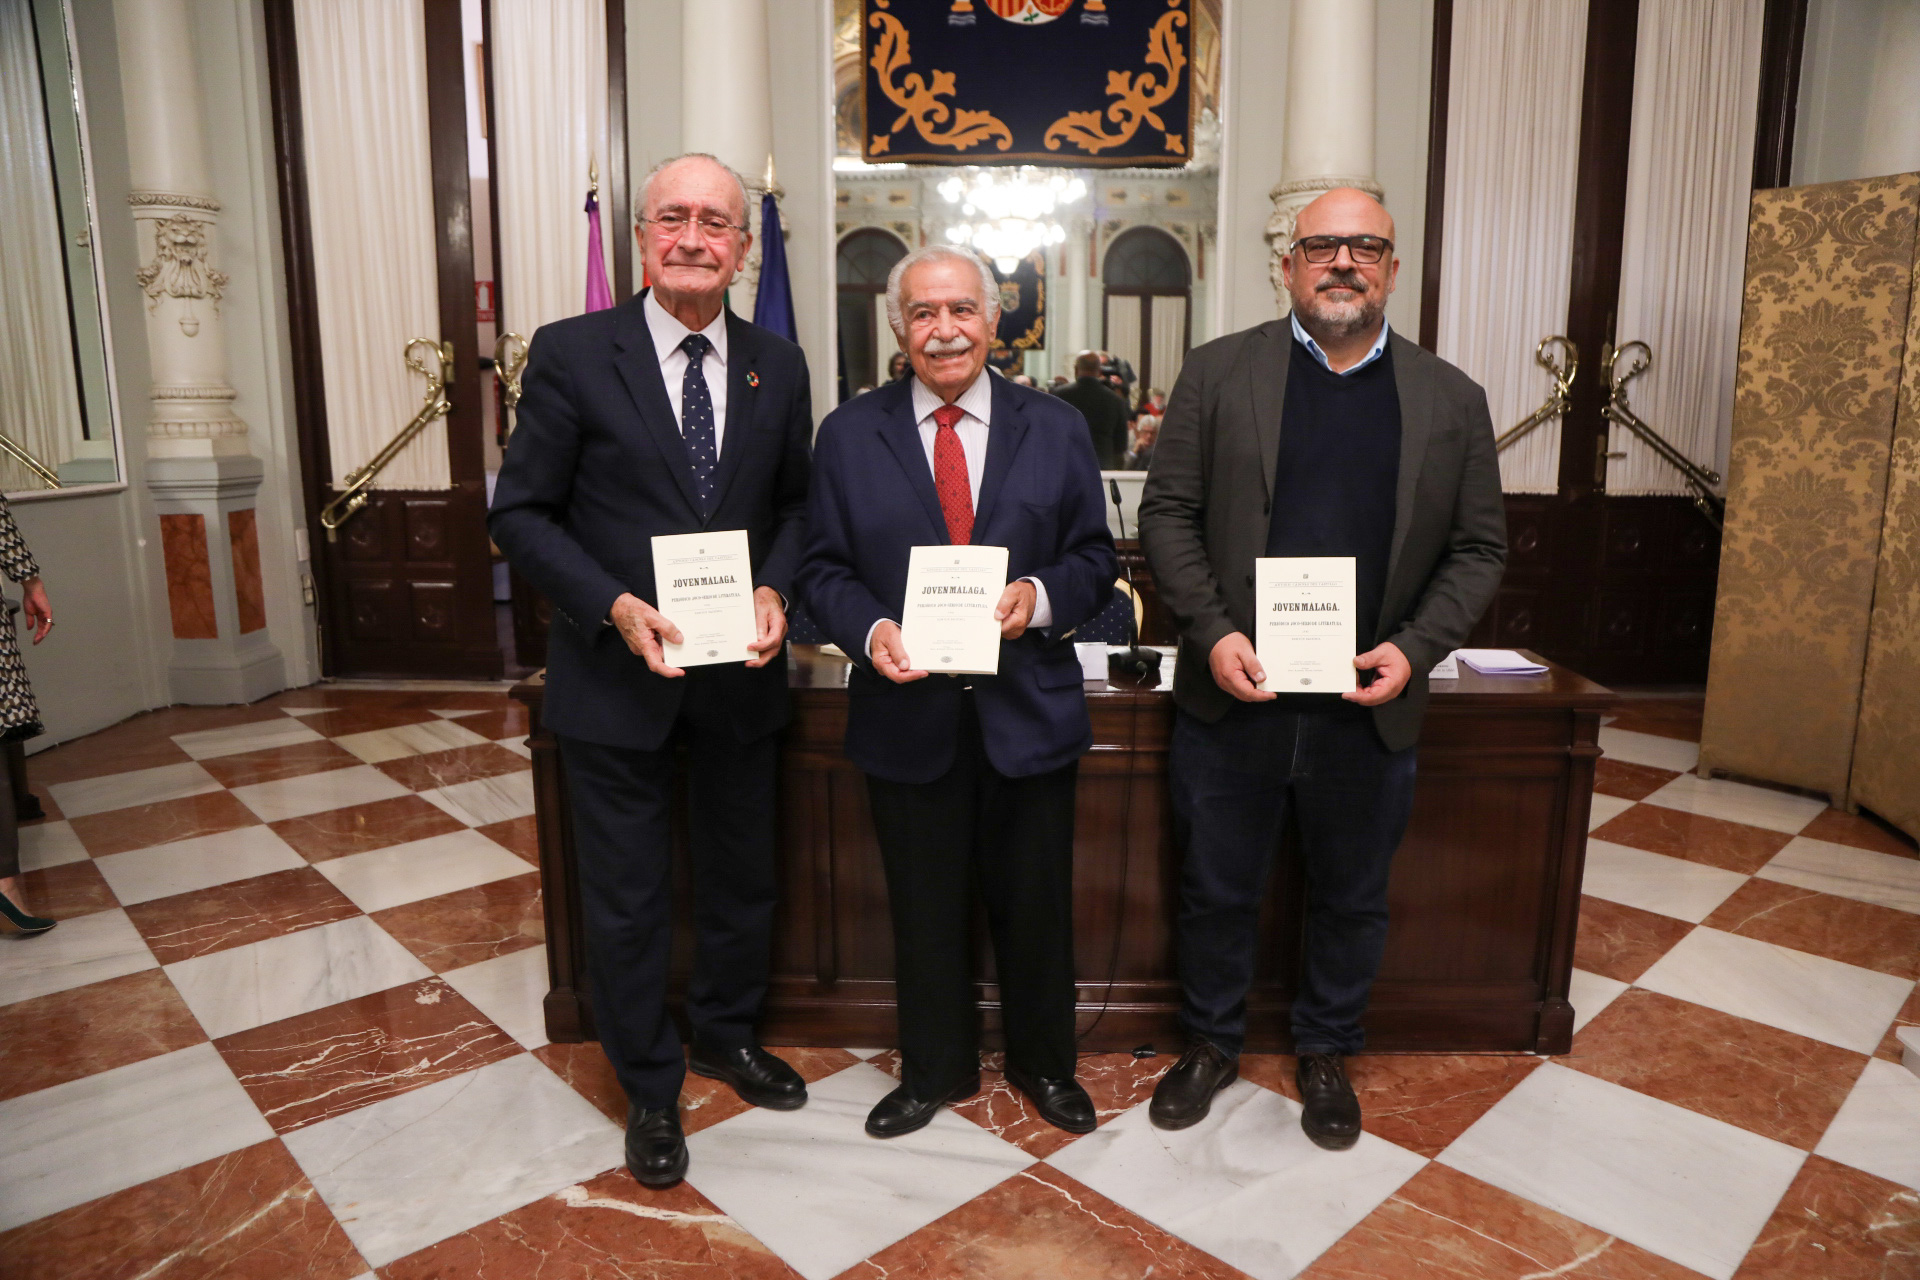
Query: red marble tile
[345, 1056]
[585, 1068]
[1666, 717]
[1041, 1225]
[1420, 1101]
[495, 725]
[609, 1228]
[1861, 831]
[274, 763]
[1858, 933]
[1117, 1082]
[52, 1039]
[1622, 942]
[1909, 1016]
[183, 539]
[149, 824]
[243, 543]
[522, 835]
[1445, 1225]
[250, 1215]
[360, 827]
[470, 925]
[459, 764]
[1628, 781]
[1770, 1082]
[91, 757]
[1838, 1223]
[1731, 845]
[365, 717]
[69, 890]
[241, 911]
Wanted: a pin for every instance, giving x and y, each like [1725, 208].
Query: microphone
[1136, 660]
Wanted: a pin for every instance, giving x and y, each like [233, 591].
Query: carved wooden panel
[432, 615]
[426, 528]
[370, 608]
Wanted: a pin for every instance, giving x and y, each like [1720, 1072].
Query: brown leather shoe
[1331, 1114]
[1185, 1094]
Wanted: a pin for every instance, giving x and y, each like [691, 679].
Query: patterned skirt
[19, 713]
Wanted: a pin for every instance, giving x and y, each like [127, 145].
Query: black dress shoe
[756, 1075]
[1185, 1094]
[1332, 1112]
[901, 1113]
[1062, 1103]
[656, 1149]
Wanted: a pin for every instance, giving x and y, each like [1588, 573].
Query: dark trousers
[621, 799]
[1233, 783]
[1011, 840]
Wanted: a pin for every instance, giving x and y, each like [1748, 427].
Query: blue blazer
[597, 467]
[873, 500]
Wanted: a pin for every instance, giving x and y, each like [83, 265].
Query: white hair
[646, 183]
[989, 287]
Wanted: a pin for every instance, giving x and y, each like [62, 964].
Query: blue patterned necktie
[696, 419]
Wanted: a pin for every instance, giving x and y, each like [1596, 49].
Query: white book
[1500, 662]
[1305, 630]
[1448, 668]
[704, 582]
[948, 625]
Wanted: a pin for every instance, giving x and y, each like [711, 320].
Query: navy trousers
[1233, 784]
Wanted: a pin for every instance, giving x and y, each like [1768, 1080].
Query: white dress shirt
[1306, 340]
[668, 333]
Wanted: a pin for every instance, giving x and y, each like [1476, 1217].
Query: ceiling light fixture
[1010, 211]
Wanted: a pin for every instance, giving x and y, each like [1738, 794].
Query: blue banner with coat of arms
[1074, 83]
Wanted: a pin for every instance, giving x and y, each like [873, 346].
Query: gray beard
[1341, 319]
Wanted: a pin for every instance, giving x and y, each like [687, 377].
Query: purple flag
[599, 295]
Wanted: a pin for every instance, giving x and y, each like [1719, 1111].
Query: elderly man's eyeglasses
[1320, 250]
[672, 224]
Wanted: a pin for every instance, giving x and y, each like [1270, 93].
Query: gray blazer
[1207, 505]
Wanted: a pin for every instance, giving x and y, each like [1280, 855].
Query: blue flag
[773, 304]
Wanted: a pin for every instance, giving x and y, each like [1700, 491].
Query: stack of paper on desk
[1499, 662]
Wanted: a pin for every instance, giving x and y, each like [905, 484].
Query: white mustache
[947, 346]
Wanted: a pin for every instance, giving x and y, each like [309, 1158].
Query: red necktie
[950, 476]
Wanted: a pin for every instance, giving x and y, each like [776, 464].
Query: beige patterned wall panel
[1886, 752]
[1822, 335]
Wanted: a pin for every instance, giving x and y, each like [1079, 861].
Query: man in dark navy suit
[665, 415]
[971, 778]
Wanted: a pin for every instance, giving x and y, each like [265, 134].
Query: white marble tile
[1245, 1184]
[258, 736]
[49, 844]
[102, 1133]
[419, 869]
[485, 800]
[1606, 808]
[510, 989]
[376, 745]
[1806, 994]
[455, 715]
[864, 1054]
[262, 982]
[1655, 882]
[1649, 749]
[124, 790]
[1846, 872]
[317, 792]
[162, 870]
[1688, 1187]
[1589, 993]
[1878, 1127]
[304, 711]
[518, 746]
[814, 1188]
[1738, 802]
[411, 1170]
[89, 948]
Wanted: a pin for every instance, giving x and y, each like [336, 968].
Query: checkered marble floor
[290, 1027]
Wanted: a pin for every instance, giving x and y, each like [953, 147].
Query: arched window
[1149, 305]
[866, 341]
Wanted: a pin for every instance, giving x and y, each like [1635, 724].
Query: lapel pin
[753, 379]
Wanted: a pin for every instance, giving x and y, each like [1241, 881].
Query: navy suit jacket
[597, 467]
[873, 500]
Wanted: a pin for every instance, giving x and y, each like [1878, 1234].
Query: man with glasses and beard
[1319, 435]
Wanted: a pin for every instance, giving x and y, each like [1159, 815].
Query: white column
[1329, 138]
[1079, 318]
[725, 109]
[199, 470]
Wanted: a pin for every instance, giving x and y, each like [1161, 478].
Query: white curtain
[884, 343]
[1123, 327]
[1513, 136]
[1689, 178]
[363, 91]
[39, 392]
[550, 119]
[1167, 344]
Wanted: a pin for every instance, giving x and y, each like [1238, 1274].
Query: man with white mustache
[1322, 435]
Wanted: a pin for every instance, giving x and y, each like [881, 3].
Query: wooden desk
[1485, 891]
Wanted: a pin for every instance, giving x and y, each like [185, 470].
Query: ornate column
[202, 477]
[1329, 138]
[724, 105]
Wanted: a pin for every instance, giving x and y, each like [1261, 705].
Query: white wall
[1403, 95]
[1859, 110]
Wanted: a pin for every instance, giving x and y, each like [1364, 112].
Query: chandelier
[1010, 213]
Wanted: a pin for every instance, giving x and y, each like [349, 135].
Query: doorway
[861, 266]
[1149, 306]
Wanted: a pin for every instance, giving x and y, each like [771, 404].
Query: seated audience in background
[1057, 383]
[897, 366]
[1146, 429]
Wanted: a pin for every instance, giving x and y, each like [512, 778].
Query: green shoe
[26, 924]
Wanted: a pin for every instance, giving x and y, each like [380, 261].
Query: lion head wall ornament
[179, 268]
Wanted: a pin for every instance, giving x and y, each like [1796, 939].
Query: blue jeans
[1233, 782]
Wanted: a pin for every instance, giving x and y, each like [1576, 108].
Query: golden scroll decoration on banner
[919, 101]
[1138, 97]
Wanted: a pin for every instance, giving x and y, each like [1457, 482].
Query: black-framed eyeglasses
[673, 224]
[1320, 250]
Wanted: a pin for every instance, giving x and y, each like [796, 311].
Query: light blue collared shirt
[1306, 340]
